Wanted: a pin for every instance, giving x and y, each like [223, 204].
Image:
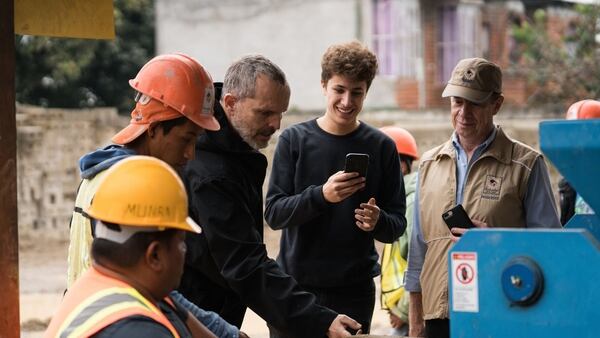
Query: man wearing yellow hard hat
[141, 214]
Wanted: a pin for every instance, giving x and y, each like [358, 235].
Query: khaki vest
[494, 192]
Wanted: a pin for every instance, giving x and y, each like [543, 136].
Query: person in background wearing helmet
[173, 105]
[331, 218]
[140, 208]
[227, 268]
[570, 202]
[500, 182]
[395, 255]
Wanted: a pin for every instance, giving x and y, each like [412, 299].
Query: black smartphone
[357, 162]
[457, 217]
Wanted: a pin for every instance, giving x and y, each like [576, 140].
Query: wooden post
[9, 240]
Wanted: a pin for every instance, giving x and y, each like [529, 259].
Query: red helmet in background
[405, 142]
[585, 109]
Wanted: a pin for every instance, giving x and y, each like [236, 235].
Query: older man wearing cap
[500, 182]
[138, 253]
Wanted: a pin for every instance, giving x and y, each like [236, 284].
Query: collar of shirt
[462, 165]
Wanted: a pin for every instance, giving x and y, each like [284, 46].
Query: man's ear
[228, 102]
[498, 104]
[155, 256]
[153, 128]
[324, 86]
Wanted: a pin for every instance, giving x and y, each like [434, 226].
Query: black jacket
[321, 246]
[227, 267]
[567, 197]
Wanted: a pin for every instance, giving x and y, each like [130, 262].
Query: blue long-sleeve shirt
[539, 205]
[213, 322]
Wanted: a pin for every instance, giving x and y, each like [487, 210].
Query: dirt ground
[43, 271]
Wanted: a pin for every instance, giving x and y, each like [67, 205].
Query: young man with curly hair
[330, 218]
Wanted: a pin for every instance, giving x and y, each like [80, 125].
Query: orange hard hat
[585, 109]
[169, 86]
[405, 142]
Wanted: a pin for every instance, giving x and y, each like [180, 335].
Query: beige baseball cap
[474, 80]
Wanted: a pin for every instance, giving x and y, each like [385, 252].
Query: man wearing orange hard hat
[570, 202]
[141, 214]
[394, 258]
[173, 105]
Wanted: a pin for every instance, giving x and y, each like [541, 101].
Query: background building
[418, 42]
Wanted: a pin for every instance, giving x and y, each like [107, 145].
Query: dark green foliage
[566, 69]
[75, 73]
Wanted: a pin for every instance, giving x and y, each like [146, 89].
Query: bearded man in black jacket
[227, 268]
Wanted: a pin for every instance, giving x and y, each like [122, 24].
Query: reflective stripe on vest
[106, 307]
[93, 286]
[393, 266]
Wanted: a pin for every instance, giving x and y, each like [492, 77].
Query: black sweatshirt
[227, 267]
[321, 246]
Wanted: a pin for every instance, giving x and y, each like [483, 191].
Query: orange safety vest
[96, 301]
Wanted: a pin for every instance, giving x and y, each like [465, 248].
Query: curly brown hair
[352, 59]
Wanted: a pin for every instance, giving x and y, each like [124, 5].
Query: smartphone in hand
[457, 217]
[357, 162]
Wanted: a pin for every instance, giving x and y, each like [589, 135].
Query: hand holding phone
[457, 217]
[357, 162]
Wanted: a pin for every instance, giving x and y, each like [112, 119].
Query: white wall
[292, 33]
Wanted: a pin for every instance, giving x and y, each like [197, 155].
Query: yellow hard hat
[142, 192]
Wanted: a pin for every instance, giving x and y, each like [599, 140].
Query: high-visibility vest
[393, 266]
[96, 301]
[80, 230]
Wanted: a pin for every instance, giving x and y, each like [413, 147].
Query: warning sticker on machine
[465, 289]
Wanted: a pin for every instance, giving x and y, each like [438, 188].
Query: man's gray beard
[244, 133]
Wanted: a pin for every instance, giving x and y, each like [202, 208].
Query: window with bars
[396, 36]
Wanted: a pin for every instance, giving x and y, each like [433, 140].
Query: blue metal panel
[574, 149]
[589, 222]
[569, 305]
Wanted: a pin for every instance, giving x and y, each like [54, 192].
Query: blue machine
[536, 283]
